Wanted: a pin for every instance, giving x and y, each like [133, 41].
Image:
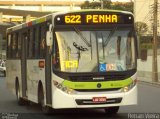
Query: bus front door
[24, 65]
[48, 81]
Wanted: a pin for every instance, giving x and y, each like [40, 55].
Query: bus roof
[30, 23]
[49, 17]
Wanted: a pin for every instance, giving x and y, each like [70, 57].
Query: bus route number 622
[72, 19]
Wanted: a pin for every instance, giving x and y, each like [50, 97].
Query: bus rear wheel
[19, 99]
[112, 110]
[45, 109]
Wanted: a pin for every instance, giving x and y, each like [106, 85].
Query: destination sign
[91, 19]
[72, 19]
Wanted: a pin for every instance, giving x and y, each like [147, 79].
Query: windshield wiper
[82, 37]
[79, 47]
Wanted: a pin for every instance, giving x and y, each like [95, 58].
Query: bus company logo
[98, 78]
[99, 85]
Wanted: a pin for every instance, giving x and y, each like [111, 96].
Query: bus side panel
[13, 70]
[34, 75]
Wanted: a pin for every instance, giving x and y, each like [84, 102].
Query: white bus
[76, 59]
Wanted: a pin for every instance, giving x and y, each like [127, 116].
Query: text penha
[101, 18]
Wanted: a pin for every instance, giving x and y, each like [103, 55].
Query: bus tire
[19, 99]
[112, 110]
[45, 109]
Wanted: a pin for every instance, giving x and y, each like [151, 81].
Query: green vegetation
[108, 5]
[141, 28]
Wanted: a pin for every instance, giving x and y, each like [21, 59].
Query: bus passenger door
[23, 65]
[48, 82]
[48, 78]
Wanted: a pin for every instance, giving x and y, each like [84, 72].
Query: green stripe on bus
[40, 20]
[93, 85]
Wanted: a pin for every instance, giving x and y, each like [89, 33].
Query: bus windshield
[94, 51]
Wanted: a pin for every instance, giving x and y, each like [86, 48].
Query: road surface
[148, 102]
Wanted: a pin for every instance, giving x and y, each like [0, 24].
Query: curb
[150, 83]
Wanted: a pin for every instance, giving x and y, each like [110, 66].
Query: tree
[141, 27]
[129, 6]
[108, 5]
[91, 5]
[123, 6]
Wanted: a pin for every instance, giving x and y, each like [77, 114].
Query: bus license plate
[99, 99]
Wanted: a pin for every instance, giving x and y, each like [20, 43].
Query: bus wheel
[19, 99]
[112, 110]
[45, 109]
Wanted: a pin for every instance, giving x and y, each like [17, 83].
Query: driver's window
[56, 57]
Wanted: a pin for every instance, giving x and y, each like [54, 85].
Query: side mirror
[49, 36]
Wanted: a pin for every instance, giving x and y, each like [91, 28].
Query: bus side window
[19, 46]
[27, 42]
[34, 43]
[9, 46]
[56, 58]
[30, 44]
[37, 40]
[14, 45]
[43, 40]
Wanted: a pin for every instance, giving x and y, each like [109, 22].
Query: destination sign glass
[93, 19]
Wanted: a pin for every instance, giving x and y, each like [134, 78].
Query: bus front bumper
[61, 99]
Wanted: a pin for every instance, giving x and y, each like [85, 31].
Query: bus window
[27, 40]
[34, 42]
[30, 43]
[42, 48]
[56, 57]
[37, 42]
[42, 41]
[14, 45]
[130, 52]
[19, 46]
[9, 46]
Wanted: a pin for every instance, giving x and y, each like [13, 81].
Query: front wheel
[112, 110]
[44, 108]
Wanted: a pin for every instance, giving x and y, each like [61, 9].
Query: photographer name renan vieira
[144, 116]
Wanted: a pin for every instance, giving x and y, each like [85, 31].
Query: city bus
[74, 59]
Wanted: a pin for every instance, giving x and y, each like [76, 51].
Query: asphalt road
[148, 102]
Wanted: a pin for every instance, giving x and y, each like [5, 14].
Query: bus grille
[90, 78]
[97, 90]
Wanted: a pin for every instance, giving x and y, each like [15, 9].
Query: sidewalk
[148, 80]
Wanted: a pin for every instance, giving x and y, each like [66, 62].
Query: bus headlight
[63, 88]
[130, 86]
